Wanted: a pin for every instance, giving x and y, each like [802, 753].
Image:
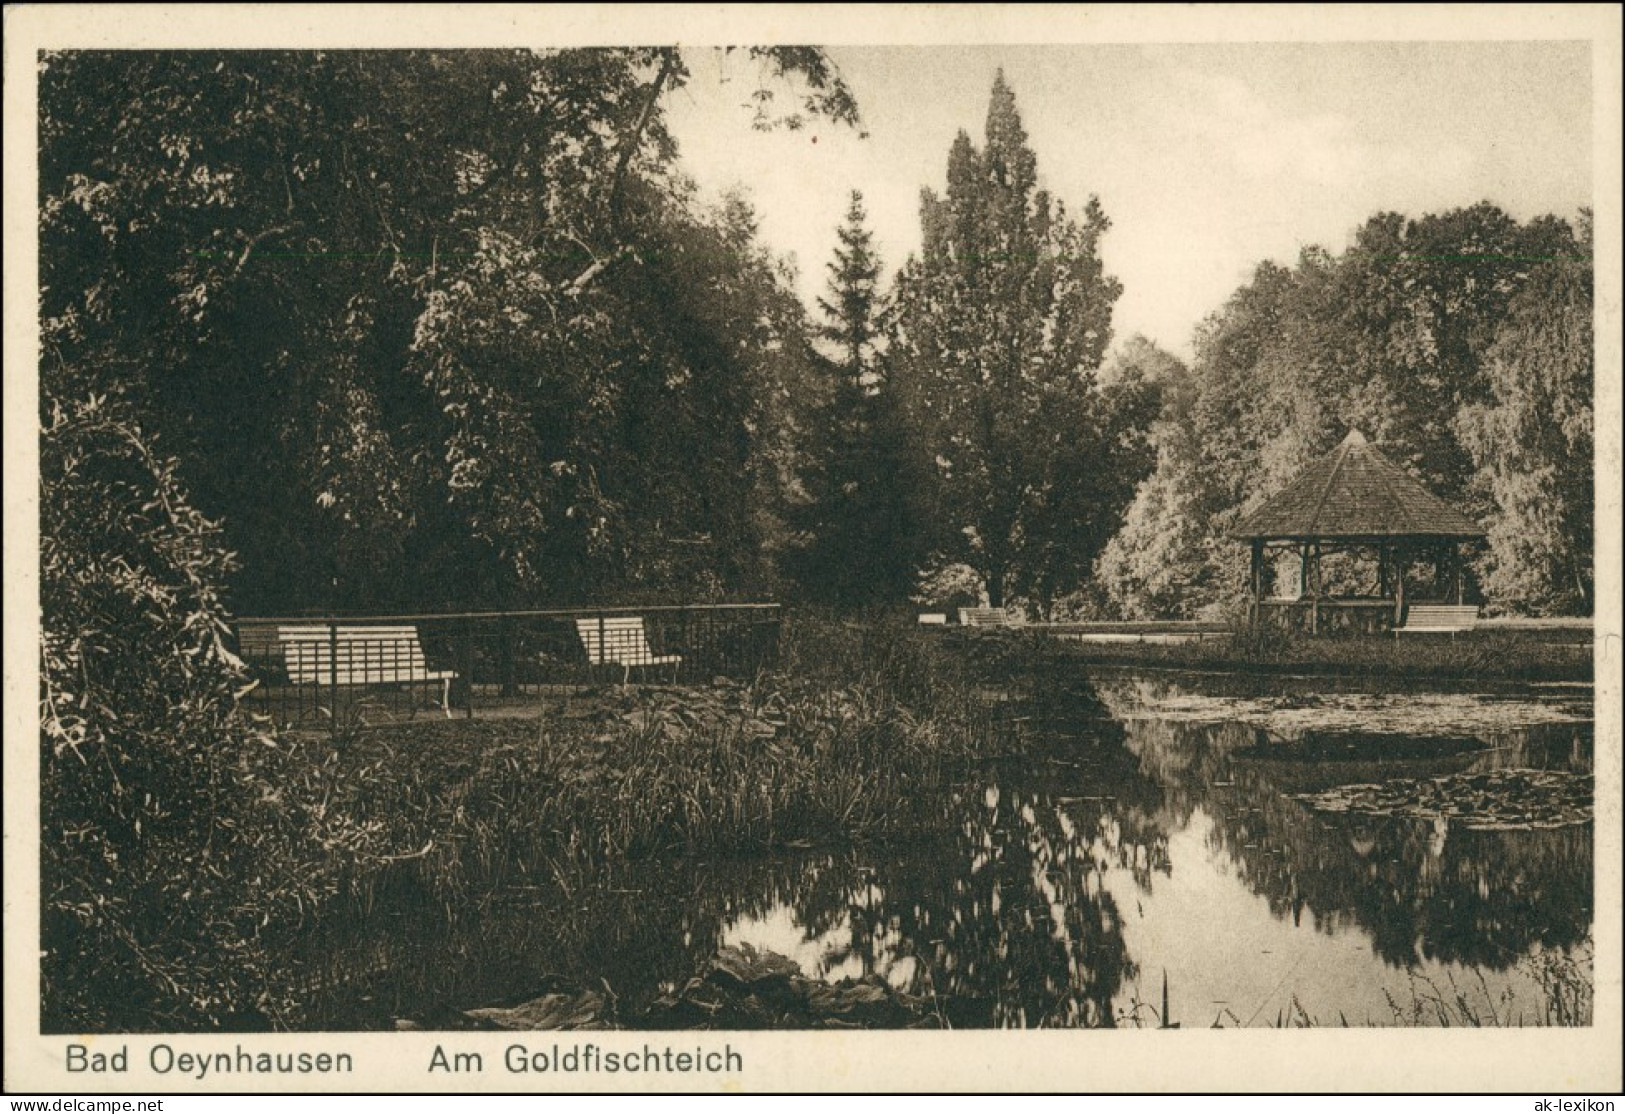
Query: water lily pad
[1433, 714]
[1497, 800]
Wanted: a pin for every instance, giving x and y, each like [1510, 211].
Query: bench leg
[445, 696]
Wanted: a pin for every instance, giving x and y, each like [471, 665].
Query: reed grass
[1566, 996]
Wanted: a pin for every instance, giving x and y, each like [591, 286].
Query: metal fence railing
[332, 670]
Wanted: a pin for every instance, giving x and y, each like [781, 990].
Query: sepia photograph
[649, 527]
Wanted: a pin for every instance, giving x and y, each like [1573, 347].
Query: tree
[1421, 300]
[853, 317]
[1000, 324]
[383, 308]
[857, 521]
[148, 827]
[1442, 338]
[1533, 442]
[409, 327]
[1142, 359]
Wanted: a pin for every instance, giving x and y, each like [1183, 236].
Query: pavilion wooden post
[1400, 561]
[1314, 590]
[1256, 581]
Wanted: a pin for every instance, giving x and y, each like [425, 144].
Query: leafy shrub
[143, 813]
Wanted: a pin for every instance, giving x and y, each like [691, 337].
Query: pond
[1150, 841]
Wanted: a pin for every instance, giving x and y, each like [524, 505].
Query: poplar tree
[1001, 323]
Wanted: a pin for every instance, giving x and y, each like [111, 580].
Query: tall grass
[1566, 992]
[1566, 995]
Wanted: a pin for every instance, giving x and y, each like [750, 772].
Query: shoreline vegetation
[808, 754]
[1532, 654]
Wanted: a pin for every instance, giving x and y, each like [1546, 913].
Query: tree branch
[594, 269]
[279, 230]
[668, 66]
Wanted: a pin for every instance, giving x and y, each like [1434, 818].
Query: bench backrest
[984, 617]
[257, 641]
[1463, 616]
[617, 640]
[380, 654]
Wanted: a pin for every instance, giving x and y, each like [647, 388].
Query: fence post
[603, 646]
[465, 663]
[685, 643]
[505, 654]
[332, 677]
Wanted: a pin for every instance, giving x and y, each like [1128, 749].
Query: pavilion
[1353, 506]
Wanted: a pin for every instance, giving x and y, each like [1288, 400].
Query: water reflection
[1108, 850]
[1008, 921]
[1008, 924]
[1421, 888]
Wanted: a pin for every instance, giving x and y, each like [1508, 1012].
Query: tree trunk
[995, 587]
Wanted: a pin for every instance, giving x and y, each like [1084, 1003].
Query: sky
[1207, 158]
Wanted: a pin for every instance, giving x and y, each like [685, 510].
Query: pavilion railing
[328, 671]
[1331, 615]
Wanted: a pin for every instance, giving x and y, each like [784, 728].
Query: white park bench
[985, 617]
[1438, 618]
[621, 640]
[322, 655]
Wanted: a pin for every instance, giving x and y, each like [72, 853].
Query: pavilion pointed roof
[1355, 492]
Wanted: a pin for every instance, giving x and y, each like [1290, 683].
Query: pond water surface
[1145, 831]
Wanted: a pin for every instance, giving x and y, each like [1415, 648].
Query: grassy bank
[719, 770]
[1519, 655]
[848, 741]
[1566, 997]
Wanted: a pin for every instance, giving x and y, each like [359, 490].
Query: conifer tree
[856, 526]
[853, 308]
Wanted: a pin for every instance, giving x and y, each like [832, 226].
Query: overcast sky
[1207, 158]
